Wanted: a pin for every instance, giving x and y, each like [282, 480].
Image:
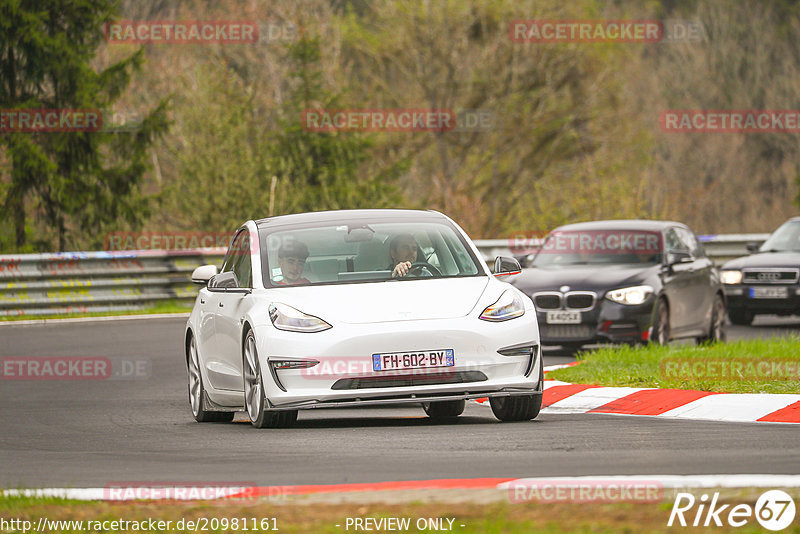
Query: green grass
[166, 306]
[738, 367]
[498, 517]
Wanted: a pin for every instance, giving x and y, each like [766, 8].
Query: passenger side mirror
[505, 266]
[678, 257]
[203, 274]
[223, 282]
[753, 247]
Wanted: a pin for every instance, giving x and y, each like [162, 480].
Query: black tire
[197, 391]
[254, 397]
[716, 330]
[660, 334]
[524, 408]
[444, 409]
[741, 317]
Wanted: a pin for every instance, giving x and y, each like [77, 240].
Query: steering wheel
[419, 265]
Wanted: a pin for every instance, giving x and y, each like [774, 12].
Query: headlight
[287, 318]
[630, 296]
[731, 277]
[508, 306]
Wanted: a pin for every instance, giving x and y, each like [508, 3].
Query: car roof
[349, 215]
[622, 224]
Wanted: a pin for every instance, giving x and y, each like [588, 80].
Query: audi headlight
[630, 296]
[287, 318]
[508, 306]
[731, 277]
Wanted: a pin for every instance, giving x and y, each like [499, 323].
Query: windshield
[353, 252]
[784, 239]
[593, 247]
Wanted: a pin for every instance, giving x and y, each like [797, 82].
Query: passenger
[292, 259]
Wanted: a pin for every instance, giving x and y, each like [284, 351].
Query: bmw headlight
[731, 277]
[630, 296]
[508, 306]
[287, 318]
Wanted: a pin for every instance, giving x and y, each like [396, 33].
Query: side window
[238, 259]
[689, 240]
[674, 243]
[242, 267]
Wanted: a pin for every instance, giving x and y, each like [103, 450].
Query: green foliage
[71, 182]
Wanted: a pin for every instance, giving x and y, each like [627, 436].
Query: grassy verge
[497, 517]
[167, 306]
[752, 366]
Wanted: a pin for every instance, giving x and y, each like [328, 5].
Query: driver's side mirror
[505, 266]
[203, 274]
[752, 248]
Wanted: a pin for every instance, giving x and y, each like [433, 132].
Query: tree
[79, 180]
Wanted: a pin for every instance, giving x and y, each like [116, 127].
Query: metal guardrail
[81, 282]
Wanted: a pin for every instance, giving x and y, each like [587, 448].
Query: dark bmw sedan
[629, 281]
[767, 281]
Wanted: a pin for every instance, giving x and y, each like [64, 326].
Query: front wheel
[716, 330]
[522, 408]
[254, 400]
[660, 333]
[444, 409]
[197, 392]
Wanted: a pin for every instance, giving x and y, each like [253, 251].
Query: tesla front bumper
[343, 374]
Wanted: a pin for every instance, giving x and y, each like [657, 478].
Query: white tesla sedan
[359, 307]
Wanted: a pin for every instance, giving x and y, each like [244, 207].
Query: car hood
[583, 277]
[765, 259]
[376, 302]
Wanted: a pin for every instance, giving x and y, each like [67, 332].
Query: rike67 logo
[774, 510]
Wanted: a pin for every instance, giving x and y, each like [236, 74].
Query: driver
[403, 249]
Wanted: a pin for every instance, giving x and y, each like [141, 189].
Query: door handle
[202, 301]
[221, 305]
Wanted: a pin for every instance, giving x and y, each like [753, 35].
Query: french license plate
[769, 293]
[391, 361]
[563, 317]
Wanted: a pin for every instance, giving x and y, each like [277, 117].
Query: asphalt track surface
[103, 432]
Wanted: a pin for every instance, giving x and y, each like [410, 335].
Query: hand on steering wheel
[419, 265]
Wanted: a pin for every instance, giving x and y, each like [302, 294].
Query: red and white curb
[194, 493]
[565, 398]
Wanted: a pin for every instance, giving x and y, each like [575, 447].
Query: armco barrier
[79, 282]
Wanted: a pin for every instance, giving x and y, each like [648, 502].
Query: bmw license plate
[563, 317]
[769, 293]
[423, 359]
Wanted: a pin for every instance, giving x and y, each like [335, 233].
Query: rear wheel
[254, 400]
[444, 409]
[742, 317]
[197, 392]
[660, 334]
[716, 330]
